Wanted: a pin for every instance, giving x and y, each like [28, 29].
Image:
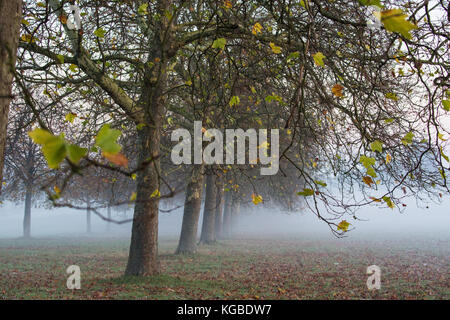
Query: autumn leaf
[257, 28]
[116, 158]
[275, 49]
[306, 192]
[368, 180]
[408, 138]
[395, 21]
[318, 59]
[343, 225]
[234, 101]
[106, 139]
[155, 194]
[376, 146]
[389, 202]
[337, 90]
[228, 4]
[388, 158]
[70, 117]
[256, 199]
[219, 43]
[63, 19]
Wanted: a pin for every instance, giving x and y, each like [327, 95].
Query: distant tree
[25, 167]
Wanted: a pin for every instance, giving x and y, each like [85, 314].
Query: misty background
[413, 222]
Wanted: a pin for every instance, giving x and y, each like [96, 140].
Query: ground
[246, 268]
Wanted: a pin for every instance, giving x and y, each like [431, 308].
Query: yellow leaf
[318, 59]
[343, 225]
[133, 196]
[256, 199]
[228, 4]
[388, 158]
[155, 194]
[275, 49]
[257, 27]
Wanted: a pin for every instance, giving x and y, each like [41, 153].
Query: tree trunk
[108, 225]
[208, 234]
[235, 209]
[143, 257]
[219, 209]
[226, 228]
[192, 206]
[88, 218]
[10, 16]
[27, 213]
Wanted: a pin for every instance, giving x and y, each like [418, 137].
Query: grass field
[234, 269]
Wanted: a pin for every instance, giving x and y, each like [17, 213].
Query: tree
[286, 63]
[25, 167]
[10, 16]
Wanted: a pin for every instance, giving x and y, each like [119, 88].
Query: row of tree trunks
[10, 17]
[208, 234]
[192, 206]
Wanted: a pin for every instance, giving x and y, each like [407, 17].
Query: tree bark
[143, 257]
[226, 228]
[27, 213]
[10, 17]
[220, 199]
[208, 234]
[192, 206]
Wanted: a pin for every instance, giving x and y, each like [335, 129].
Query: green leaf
[75, 153]
[389, 202]
[219, 43]
[394, 20]
[376, 146]
[446, 105]
[391, 96]
[100, 32]
[371, 172]
[234, 101]
[408, 138]
[60, 58]
[318, 59]
[366, 161]
[320, 183]
[73, 68]
[370, 3]
[142, 10]
[306, 192]
[293, 55]
[107, 139]
[70, 117]
[53, 147]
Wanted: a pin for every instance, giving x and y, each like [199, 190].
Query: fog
[414, 222]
